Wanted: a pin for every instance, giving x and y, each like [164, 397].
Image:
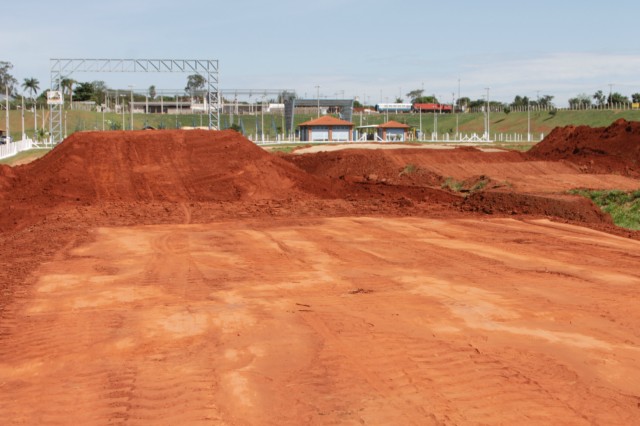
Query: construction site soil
[187, 277]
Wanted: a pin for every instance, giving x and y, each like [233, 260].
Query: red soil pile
[361, 165]
[157, 176]
[613, 149]
[172, 166]
[573, 208]
[397, 166]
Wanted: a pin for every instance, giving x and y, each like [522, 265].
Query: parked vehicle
[393, 108]
[441, 108]
[402, 108]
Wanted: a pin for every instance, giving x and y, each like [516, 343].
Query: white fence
[12, 148]
[433, 137]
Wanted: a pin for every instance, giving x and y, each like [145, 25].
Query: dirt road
[329, 321]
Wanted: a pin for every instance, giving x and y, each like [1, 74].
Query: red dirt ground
[189, 277]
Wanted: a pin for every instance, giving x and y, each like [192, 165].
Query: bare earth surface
[189, 277]
[330, 321]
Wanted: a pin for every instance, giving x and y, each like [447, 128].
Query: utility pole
[453, 108]
[420, 110]
[35, 119]
[22, 116]
[6, 89]
[610, 94]
[528, 120]
[318, 99]
[488, 115]
[131, 106]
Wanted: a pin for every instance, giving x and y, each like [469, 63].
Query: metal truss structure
[208, 68]
[258, 92]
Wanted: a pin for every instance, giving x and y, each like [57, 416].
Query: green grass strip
[623, 206]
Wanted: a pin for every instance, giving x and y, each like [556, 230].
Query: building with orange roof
[393, 131]
[326, 129]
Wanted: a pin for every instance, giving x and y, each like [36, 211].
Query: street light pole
[488, 116]
[22, 116]
[35, 119]
[528, 120]
[318, 99]
[610, 95]
[420, 111]
[262, 119]
[453, 107]
[122, 109]
[7, 112]
[131, 105]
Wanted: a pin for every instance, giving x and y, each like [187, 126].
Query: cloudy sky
[376, 50]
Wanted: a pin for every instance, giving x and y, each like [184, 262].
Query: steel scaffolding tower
[65, 67]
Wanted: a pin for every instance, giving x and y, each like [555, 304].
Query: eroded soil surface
[186, 278]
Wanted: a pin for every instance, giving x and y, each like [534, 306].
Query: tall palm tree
[67, 83]
[32, 85]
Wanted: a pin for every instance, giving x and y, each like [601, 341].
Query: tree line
[97, 91]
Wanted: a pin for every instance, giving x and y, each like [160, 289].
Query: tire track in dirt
[66, 324]
[504, 383]
[342, 321]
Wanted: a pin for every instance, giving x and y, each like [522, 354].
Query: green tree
[545, 101]
[67, 84]
[426, 100]
[286, 96]
[617, 98]
[195, 82]
[399, 100]
[635, 98]
[415, 94]
[477, 103]
[84, 91]
[580, 101]
[7, 81]
[600, 98]
[99, 91]
[463, 102]
[32, 85]
[520, 101]
[152, 91]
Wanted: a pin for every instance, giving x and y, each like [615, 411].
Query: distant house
[326, 129]
[393, 131]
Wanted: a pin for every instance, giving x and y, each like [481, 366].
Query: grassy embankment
[515, 122]
[624, 207]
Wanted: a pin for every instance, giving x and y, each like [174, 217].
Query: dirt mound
[173, 166]
[567, 207]
[122, 173]
[613, 149]
[410, 167]
[7, 174]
